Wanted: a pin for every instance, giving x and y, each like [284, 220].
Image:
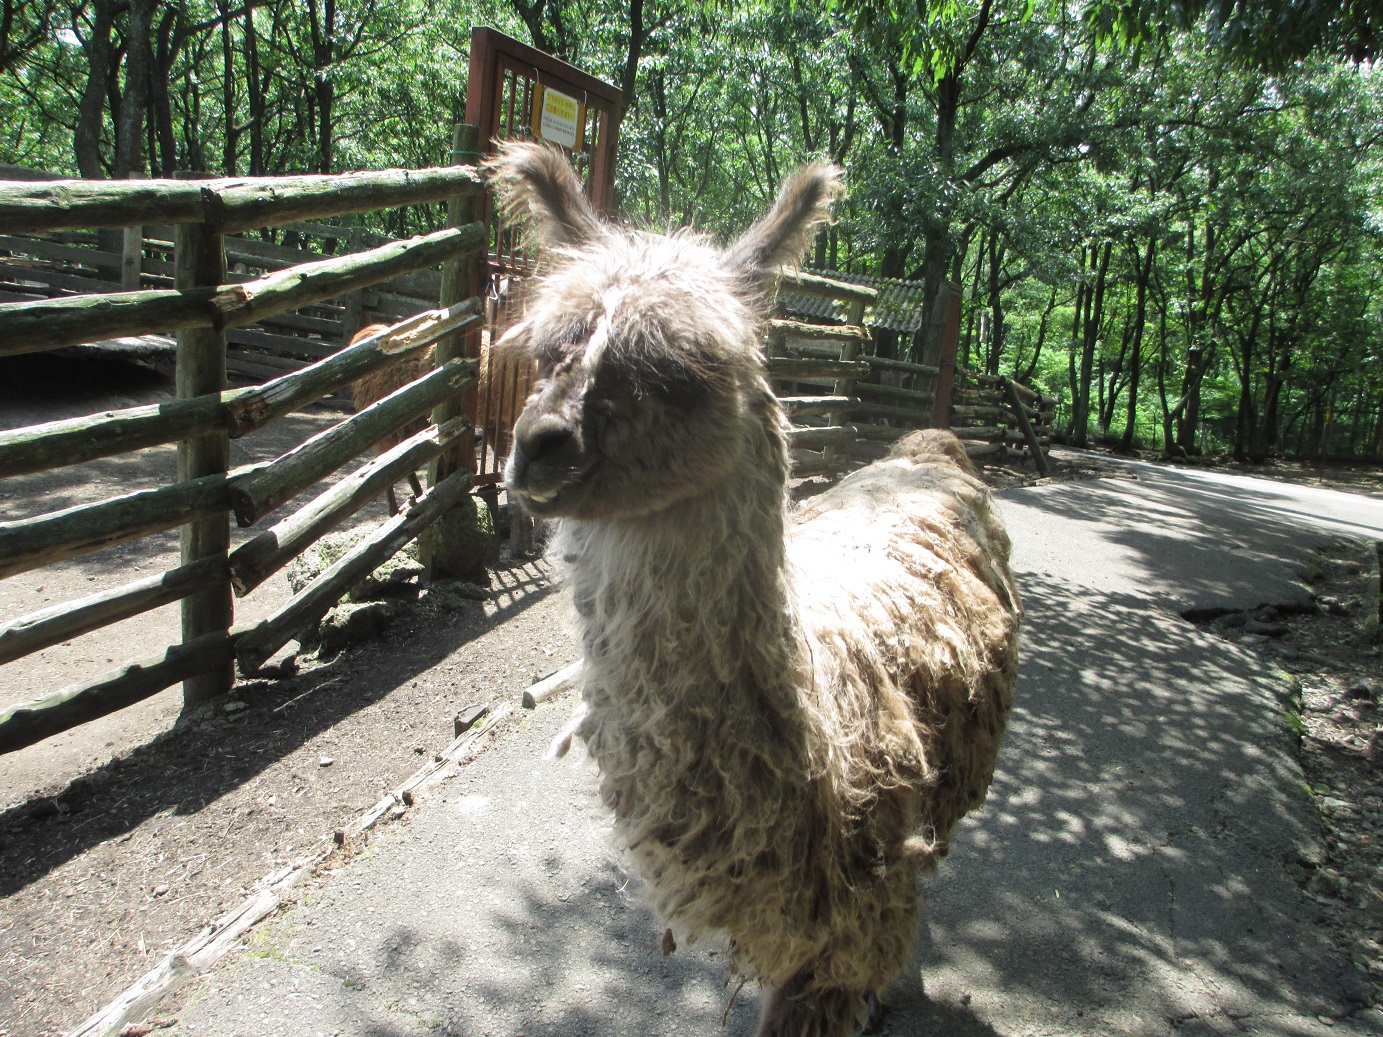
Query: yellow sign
[558, 118]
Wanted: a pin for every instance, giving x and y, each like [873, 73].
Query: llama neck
[692, 599]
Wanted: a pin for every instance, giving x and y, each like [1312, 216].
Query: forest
[1165, 213]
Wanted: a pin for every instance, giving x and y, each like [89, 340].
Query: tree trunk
[139, 59]
[254, 94]
[1144, 277]
[997, 331]
[99, 48]
[1080, 405]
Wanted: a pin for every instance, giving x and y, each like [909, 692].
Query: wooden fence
[63, 262]
[203, 305]
[847, 404]
[814, 368]
[999, 419]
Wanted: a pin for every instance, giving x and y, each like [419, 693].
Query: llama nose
[544, 438]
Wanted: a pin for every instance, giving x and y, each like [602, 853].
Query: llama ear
[538, 181]
[782, 235]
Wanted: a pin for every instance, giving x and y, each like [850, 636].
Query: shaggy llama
[790, 711]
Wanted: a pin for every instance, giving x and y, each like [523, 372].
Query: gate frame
[494, 56]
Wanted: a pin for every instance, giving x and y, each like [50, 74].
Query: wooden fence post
[950, 340]
[460, 280]
[132, 252]
[461, 543]
[353, 313]
[845, 386]
[201, 261]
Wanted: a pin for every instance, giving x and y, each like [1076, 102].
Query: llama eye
[555, 350]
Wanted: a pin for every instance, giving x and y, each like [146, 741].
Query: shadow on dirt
[184, 770]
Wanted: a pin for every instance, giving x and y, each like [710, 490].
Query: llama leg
[875, 1012]
[800, 1009]
[417, 486]
[393, 500]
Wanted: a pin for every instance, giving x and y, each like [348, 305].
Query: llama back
[373, 387]
[904, 590]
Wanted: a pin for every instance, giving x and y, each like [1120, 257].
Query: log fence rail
[56, 263]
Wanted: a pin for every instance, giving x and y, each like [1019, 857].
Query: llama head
[651, 380]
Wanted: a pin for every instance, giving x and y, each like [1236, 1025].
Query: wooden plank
[62, 281]
[38, 630]
[273, 363]
[814, 284]
[250, 371]
[818, 438]
[888, 364]
[960, 413]
[32, 721]
[328, 327]
[328, 278]
[796, 405]
[26, 208]
[277, 200]
[258, 407]
[293, 345]
[230, 205]
[880, 433]
[268, 256]
[9, 172]
[813, 367]
[792, 329]
[260, 492]
[256, 560]
[51, 324]
[256, 645]
[38, 448]
[568, 678]
[76, 255]
[893, 392]
[917, 418]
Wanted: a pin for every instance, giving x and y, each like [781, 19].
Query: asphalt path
[1134, 870]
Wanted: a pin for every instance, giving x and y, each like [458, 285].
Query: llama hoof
[875, 1015]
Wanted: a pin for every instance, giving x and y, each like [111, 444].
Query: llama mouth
[545, 492]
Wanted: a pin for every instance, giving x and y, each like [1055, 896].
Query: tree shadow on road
[1140, 854]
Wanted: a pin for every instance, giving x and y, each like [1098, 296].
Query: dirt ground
[121, 841]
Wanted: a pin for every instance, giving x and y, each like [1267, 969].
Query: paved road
[1130, 873]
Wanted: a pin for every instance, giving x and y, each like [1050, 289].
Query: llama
[376, 385]
[381, 382]
[790, 711]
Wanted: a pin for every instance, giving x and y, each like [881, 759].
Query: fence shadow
[182, 771]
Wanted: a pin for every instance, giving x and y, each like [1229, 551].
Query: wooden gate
[517, 92]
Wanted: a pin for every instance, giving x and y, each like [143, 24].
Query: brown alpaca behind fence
[383, 381]
[790, 711]
[498, 373]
